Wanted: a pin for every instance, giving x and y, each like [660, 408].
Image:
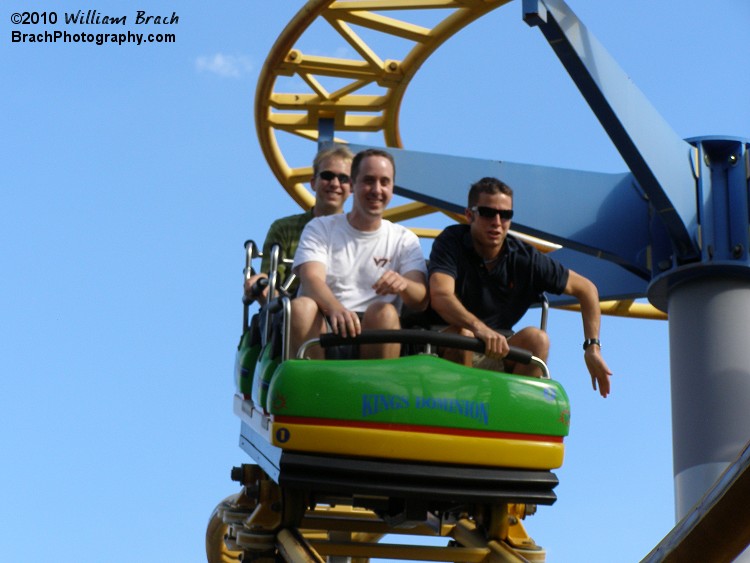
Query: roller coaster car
[411, 439]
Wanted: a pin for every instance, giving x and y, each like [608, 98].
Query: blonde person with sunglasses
[483, 280]
[332, 185]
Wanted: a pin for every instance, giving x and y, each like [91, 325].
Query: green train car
[412, 440]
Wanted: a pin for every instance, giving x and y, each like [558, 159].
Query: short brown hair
[361, 155]
[488, 185]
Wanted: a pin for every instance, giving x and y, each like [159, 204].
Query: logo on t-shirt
[381, 262]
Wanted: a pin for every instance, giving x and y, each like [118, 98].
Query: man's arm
[448, 306]
[261, 297]
[247, 287]
[588, 296]
[411, 287]
[275, 234]
[313, 285]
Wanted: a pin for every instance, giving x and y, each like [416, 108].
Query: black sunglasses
[490, 212]
[327, 175]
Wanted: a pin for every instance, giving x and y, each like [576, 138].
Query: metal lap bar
[274, 305]
[286, 327]
[545, 311]
[283, 304]
[272, 281]
[541, 365]
[289, 280]
[251, 251]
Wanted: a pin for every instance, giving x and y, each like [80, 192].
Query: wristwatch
[589, 341]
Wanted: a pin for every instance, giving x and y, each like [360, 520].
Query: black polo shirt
[501, 296]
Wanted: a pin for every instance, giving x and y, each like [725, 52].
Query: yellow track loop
[373, 67]
[293, 92]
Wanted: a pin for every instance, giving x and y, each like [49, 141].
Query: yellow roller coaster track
[369, 87]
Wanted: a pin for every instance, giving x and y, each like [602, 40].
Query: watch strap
[590, 341]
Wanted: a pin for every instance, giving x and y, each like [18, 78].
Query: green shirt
[287, 232]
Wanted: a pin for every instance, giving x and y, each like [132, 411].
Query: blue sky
[132, 176]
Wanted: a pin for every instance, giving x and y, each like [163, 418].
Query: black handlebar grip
[421, 337]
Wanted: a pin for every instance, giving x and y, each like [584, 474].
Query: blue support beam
[661, 162]
[326, 131]
[723, 218]
[723, 197]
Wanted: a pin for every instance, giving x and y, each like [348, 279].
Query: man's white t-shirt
[355, 260]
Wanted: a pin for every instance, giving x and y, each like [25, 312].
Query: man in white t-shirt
[357, 269]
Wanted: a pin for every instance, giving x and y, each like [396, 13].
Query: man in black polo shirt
[482, 281]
